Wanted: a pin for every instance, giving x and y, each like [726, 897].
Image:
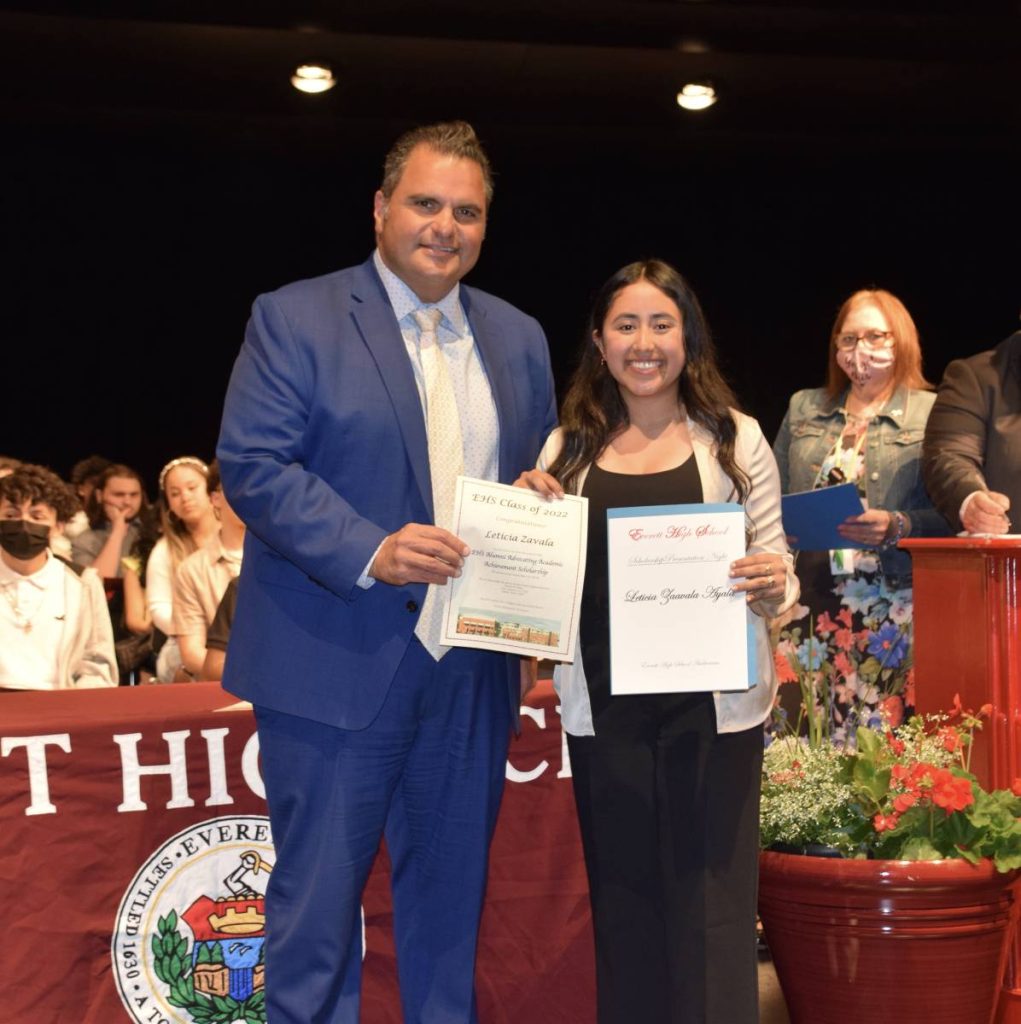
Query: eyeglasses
[870, 339]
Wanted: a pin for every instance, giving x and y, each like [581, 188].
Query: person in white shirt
[188, 522]
[55, 629]
[202, 579]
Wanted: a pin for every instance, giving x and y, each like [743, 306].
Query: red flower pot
[905, 941]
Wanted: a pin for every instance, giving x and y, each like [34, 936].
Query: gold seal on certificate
[676, 623]
[520, 588]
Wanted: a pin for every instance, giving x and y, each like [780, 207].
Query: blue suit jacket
[323, 453]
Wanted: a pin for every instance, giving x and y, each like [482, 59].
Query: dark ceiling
[897, 73]
[160, 171]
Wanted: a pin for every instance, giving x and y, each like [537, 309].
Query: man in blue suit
[329, 451]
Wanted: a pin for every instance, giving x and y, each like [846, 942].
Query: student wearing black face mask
[54, 625]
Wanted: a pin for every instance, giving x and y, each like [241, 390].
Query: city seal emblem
[188, 944]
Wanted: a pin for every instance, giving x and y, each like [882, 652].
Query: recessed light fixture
[313, 78]
[696, 96]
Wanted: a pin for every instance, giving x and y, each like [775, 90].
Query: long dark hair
[594, 413]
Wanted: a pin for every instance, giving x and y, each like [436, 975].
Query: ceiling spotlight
[313, 78]
[696, 96]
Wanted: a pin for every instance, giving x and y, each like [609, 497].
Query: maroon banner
[135, 848]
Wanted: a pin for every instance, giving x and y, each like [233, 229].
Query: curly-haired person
[55, 629]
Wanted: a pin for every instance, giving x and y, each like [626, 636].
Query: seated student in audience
[85, 476]
[54, 626]
[189, 522]
[113, 509]
[219, 633]
[202, 579]
[138, 640]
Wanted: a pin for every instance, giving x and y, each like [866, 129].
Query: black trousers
[669, 815]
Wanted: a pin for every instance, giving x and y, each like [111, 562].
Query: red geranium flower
[952, 794]
[904, 801]
[896, 745]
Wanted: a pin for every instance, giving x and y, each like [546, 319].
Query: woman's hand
[763, 577]
[870, 528]
[541, 482]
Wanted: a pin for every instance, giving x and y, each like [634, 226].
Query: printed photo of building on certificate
[472, 622]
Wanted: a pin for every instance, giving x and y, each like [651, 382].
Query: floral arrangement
[855, 669]
[900, 794]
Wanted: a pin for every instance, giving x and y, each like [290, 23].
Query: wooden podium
[967, 622]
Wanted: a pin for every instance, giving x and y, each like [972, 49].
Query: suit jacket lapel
[374, 318]
[492, 348]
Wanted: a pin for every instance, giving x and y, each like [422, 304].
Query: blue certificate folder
[813, 517]
[660, 510]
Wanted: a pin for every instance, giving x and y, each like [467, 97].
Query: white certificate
[676, 623]
[520, 588]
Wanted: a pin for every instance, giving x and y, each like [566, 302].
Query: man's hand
[986, 512]
[419, 554]
[116, 516]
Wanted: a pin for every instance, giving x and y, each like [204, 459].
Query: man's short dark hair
[449, 138]
[39, 485]
[90, 468]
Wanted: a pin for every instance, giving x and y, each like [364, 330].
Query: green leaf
[868, 670]
[919, 848]
[869, 742]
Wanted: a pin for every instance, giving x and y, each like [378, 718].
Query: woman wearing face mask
[865, 427]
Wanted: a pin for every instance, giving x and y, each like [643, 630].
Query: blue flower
[859, 595]
[889, 645]
[810, 655]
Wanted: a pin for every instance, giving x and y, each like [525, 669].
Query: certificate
[676, 623]
[520, 588]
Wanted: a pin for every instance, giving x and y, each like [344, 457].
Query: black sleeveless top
[604, 490]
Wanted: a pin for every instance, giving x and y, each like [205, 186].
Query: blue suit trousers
[428, 772]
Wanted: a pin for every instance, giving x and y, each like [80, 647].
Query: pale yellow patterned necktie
[446, 459]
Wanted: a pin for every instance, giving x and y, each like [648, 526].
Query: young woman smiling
[666, 785]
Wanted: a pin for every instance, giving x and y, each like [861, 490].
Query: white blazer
[746, 708]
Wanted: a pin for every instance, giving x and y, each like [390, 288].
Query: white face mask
[863, 364]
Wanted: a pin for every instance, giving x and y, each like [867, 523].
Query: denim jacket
[893, 448]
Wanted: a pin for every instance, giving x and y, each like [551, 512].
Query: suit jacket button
[412, 606]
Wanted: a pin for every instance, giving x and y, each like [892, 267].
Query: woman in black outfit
[666, 785]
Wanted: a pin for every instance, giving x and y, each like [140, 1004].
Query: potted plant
[912, 907]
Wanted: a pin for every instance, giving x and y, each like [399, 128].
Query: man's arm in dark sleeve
[953, 453]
